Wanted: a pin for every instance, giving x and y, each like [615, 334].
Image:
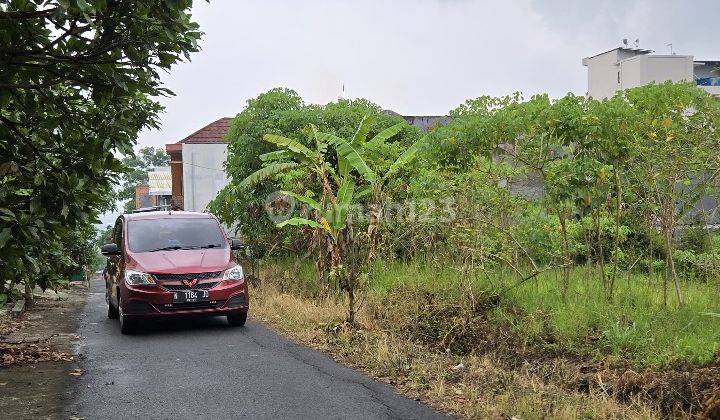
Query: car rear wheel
[126, 326]
[237, 320]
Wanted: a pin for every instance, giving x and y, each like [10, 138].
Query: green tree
[282, 111]
[678, 132]
[338, 166]
[76, 82]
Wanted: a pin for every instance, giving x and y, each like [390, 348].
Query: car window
[148, 235]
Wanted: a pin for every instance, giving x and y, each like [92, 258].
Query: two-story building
[623, 68]
[197, 166]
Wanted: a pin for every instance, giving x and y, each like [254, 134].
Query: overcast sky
[416, 57]
[412, 56]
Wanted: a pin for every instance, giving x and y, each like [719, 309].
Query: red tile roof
[211, 133]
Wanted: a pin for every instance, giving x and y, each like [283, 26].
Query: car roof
[167, 214]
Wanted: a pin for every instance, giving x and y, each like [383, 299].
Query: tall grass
[635, 328]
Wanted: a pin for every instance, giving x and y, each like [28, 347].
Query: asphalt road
[203, 368]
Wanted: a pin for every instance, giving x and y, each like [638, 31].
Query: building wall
[142, 197]
[602, 74]
[176, 169]
[203, 174]
[644, 69]
[624, 69]
[427, 122]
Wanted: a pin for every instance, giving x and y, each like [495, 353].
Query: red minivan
[172, 263]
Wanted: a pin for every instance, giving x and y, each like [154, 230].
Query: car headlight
[136, 278]
[234, 273]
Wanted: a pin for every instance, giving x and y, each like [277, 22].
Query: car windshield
[170, 234]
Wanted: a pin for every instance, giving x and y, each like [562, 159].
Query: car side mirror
[236, 244]
[109, 250]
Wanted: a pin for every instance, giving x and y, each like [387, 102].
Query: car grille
[188, 276]
[192, 305]
[199, 286]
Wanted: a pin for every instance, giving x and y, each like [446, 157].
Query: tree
[76, 82]
[136, 169]
[678, 130]
[282, 111]
[338, 181]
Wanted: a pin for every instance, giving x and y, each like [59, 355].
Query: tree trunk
[651, 269]
[616, 251]
[671, 264]
[600, 253]
[29, 298]
[566, 257]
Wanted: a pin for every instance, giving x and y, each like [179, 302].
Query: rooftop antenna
[342, 93]
[672, 52]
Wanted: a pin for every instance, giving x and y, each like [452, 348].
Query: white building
[197, 166]
[623, 68]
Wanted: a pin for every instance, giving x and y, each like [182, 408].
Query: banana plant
[340, 191]
[338, 183]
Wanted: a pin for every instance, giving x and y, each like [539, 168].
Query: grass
[524, 351]
[635, 329]
[481, 388]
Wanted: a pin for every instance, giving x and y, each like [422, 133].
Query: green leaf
[342, 204]
[405, 158]
[266, 173]
[275, 155]
[355, 160]
[385, 135]
[300, 222]
[345, 192]
[363, 130]
[83, 6]
[293, 145]
[4, 236]
[304, 199]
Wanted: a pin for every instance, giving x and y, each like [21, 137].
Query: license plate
[191, 296]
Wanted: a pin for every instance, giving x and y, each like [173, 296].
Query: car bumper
[227, 298]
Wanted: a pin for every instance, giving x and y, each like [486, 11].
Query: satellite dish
[637, 42]
[625, 42]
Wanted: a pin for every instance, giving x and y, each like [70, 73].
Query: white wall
[203, 173]
[644, 69]
[633, 69]
[602, 75]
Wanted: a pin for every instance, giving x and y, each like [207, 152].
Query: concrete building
[197, 166]
[157, 192]
[624, 68]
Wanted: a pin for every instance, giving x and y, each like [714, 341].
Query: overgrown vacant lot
[536, 257]
[634, 329]
[454, 338]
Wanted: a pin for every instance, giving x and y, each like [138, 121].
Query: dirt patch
[693, 391]
[37, 356]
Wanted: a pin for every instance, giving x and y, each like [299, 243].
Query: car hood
[180, 261]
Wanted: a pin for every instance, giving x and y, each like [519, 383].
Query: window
[174, 233]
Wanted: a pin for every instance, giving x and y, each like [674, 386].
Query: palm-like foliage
[343, 181]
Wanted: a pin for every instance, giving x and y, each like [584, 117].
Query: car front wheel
[237, 320]
[126, 326]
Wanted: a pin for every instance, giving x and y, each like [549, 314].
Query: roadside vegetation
[525, 230]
